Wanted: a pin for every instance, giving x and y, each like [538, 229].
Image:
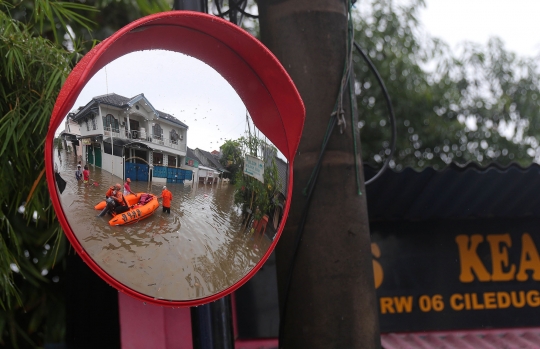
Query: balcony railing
[115, 132]
[145, 137]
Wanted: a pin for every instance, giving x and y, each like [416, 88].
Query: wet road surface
[195, 251]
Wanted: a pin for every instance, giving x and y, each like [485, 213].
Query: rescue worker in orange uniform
[115, 201]
[110, 192]
[119, 199]
[167, 197]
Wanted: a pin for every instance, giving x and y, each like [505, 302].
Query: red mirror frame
[252, 70]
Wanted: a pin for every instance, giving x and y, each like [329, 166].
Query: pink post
[153, 326]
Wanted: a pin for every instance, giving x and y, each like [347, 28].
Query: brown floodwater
[197, 250]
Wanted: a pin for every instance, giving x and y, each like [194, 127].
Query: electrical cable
[218, 7]
[354, 113]
[236, 6]
[390, 110]
[338, 110]
[299, 233]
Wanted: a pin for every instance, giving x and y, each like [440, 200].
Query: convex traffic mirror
[197, 123]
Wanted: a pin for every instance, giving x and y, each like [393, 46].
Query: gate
[97, 155]
[178, 175]
[136, 172]
[90, 154]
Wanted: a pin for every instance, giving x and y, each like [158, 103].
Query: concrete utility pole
[332, 301]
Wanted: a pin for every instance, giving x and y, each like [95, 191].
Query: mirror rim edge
[282, 102]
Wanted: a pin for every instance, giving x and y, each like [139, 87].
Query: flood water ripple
[197, 250]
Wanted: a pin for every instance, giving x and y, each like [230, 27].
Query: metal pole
[211, 325]
[112, 149]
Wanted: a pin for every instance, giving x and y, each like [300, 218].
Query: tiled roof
[113, 99]
[456, 192]
[163, 115]
[116, 100]
[212, 159]
[190, 154]
[483, 339]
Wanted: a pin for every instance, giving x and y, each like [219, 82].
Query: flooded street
[195, 251]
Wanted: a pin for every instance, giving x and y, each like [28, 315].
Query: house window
[172, 161]
[87, 124]
[109, 121]
[158, 159]
[94, 123]
[158, 131]
[174, 137]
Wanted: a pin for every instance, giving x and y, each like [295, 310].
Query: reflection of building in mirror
[210, 168]
[114, 130]
[71, 134]
[220, 225]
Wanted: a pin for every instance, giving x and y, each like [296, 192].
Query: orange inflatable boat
[141, 205]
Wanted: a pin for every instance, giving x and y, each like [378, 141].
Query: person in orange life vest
[110, 192]
[115, 201]
[118, 197]
[121, 204]
[167, 197]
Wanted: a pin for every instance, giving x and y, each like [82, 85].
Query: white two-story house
[71, 134]
[117, 130]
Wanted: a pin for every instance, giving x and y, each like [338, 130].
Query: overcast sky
[516, 22]
[197, 95]
[179, 85]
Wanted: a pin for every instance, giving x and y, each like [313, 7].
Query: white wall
[159, 180]
[167, 128]
[84, 130]
[114, 164]
[72, 127]
[79, 154]
[201, 174]
[142, 113]
[115, 112]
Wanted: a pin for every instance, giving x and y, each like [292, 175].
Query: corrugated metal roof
[484, 339]
[456, 192]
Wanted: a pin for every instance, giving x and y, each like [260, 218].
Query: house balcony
[153, 141]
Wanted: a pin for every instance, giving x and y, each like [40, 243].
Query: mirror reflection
[171, 188]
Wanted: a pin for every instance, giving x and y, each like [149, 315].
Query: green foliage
[31, 74]
[247, 23]
[33, 66]
[251, 194]
[479, 106]
[232, 158]
[79, 24]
